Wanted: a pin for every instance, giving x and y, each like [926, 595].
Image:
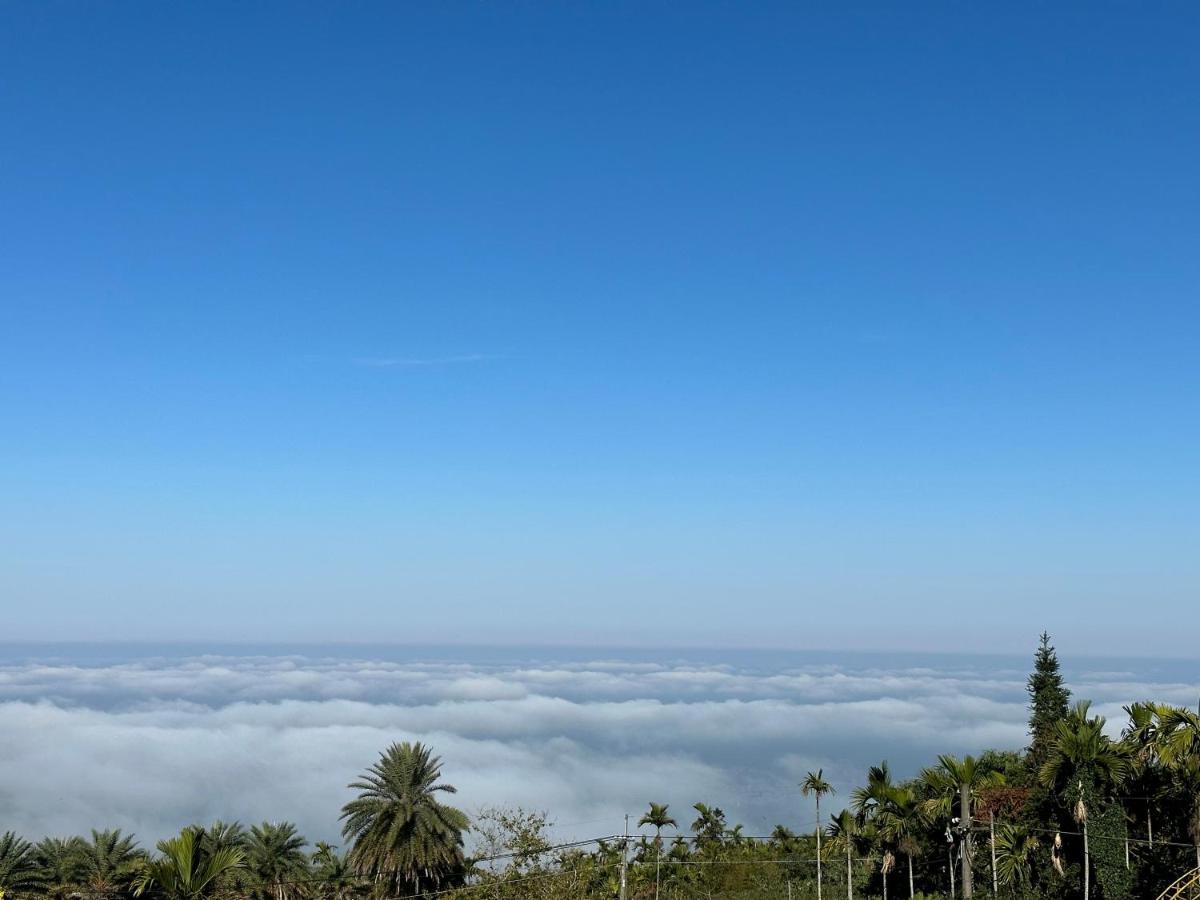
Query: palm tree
[222, 835]
[1016, 855]
[108, 862]
[19, 872]
[783, 837]
[900, 820]
[843, 833]
[885, 868]
[1143, 737]
[184, 871]
[814, 784]
[275, 858]
[1083, 758]
[657, 817]
[59, 860]
[709, 826]
[401, 835]
[1082, 749]
[865, 800]
[895, 815]
[954, 779]
[333, 873]
[1179, 750]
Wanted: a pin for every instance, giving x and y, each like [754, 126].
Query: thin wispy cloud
[412, 362]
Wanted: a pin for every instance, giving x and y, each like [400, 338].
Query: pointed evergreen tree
[1049, 702]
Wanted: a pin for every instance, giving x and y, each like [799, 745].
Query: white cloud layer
[151, 744]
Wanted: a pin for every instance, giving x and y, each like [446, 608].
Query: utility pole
[625, 860]
[1081, 816]
[964, 814]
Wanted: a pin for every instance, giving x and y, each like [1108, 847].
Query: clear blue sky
[608, 322]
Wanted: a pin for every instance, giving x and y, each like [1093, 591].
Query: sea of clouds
[150, 742]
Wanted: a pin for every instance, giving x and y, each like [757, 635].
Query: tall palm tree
[19, 872]
[900, 821]
[1081, 749]
[867, 799]
[843, 833]
[1143, 736]
[952, 780]
[815, 785]
[275, 859]
[1083, 762]
[401, 835]
[709, 825]
[1179, 750]
[658, 818]
[894, 814]
[885, 868]
[108, 862]
[184, 871]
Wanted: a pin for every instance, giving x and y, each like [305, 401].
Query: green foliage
[185, 870]
[1017, 851]
[518, 835]
[108, 863]
[1048, 702]
[333, 874]
[709, 826]
[401, 836]
[276, 863]
[60, 861]
[20, 874]
[402, 841]
[657, 817]
[1106, 832]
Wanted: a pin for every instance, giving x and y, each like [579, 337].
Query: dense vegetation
[1077, 814]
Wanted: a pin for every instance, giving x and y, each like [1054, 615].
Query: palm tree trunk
[1149, 827]
[657, 862]
[849, 873]
[818, 845]
[884, 885]
[1086, 861]
[911, 892]
[950, 854]
[992, 839]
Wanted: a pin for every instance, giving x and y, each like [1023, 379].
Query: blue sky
[616, 323]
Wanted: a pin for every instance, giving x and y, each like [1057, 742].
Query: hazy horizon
[152, 742]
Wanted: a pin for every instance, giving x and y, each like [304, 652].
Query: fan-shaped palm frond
[183, 870]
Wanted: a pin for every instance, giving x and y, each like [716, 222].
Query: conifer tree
[1049, 701]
